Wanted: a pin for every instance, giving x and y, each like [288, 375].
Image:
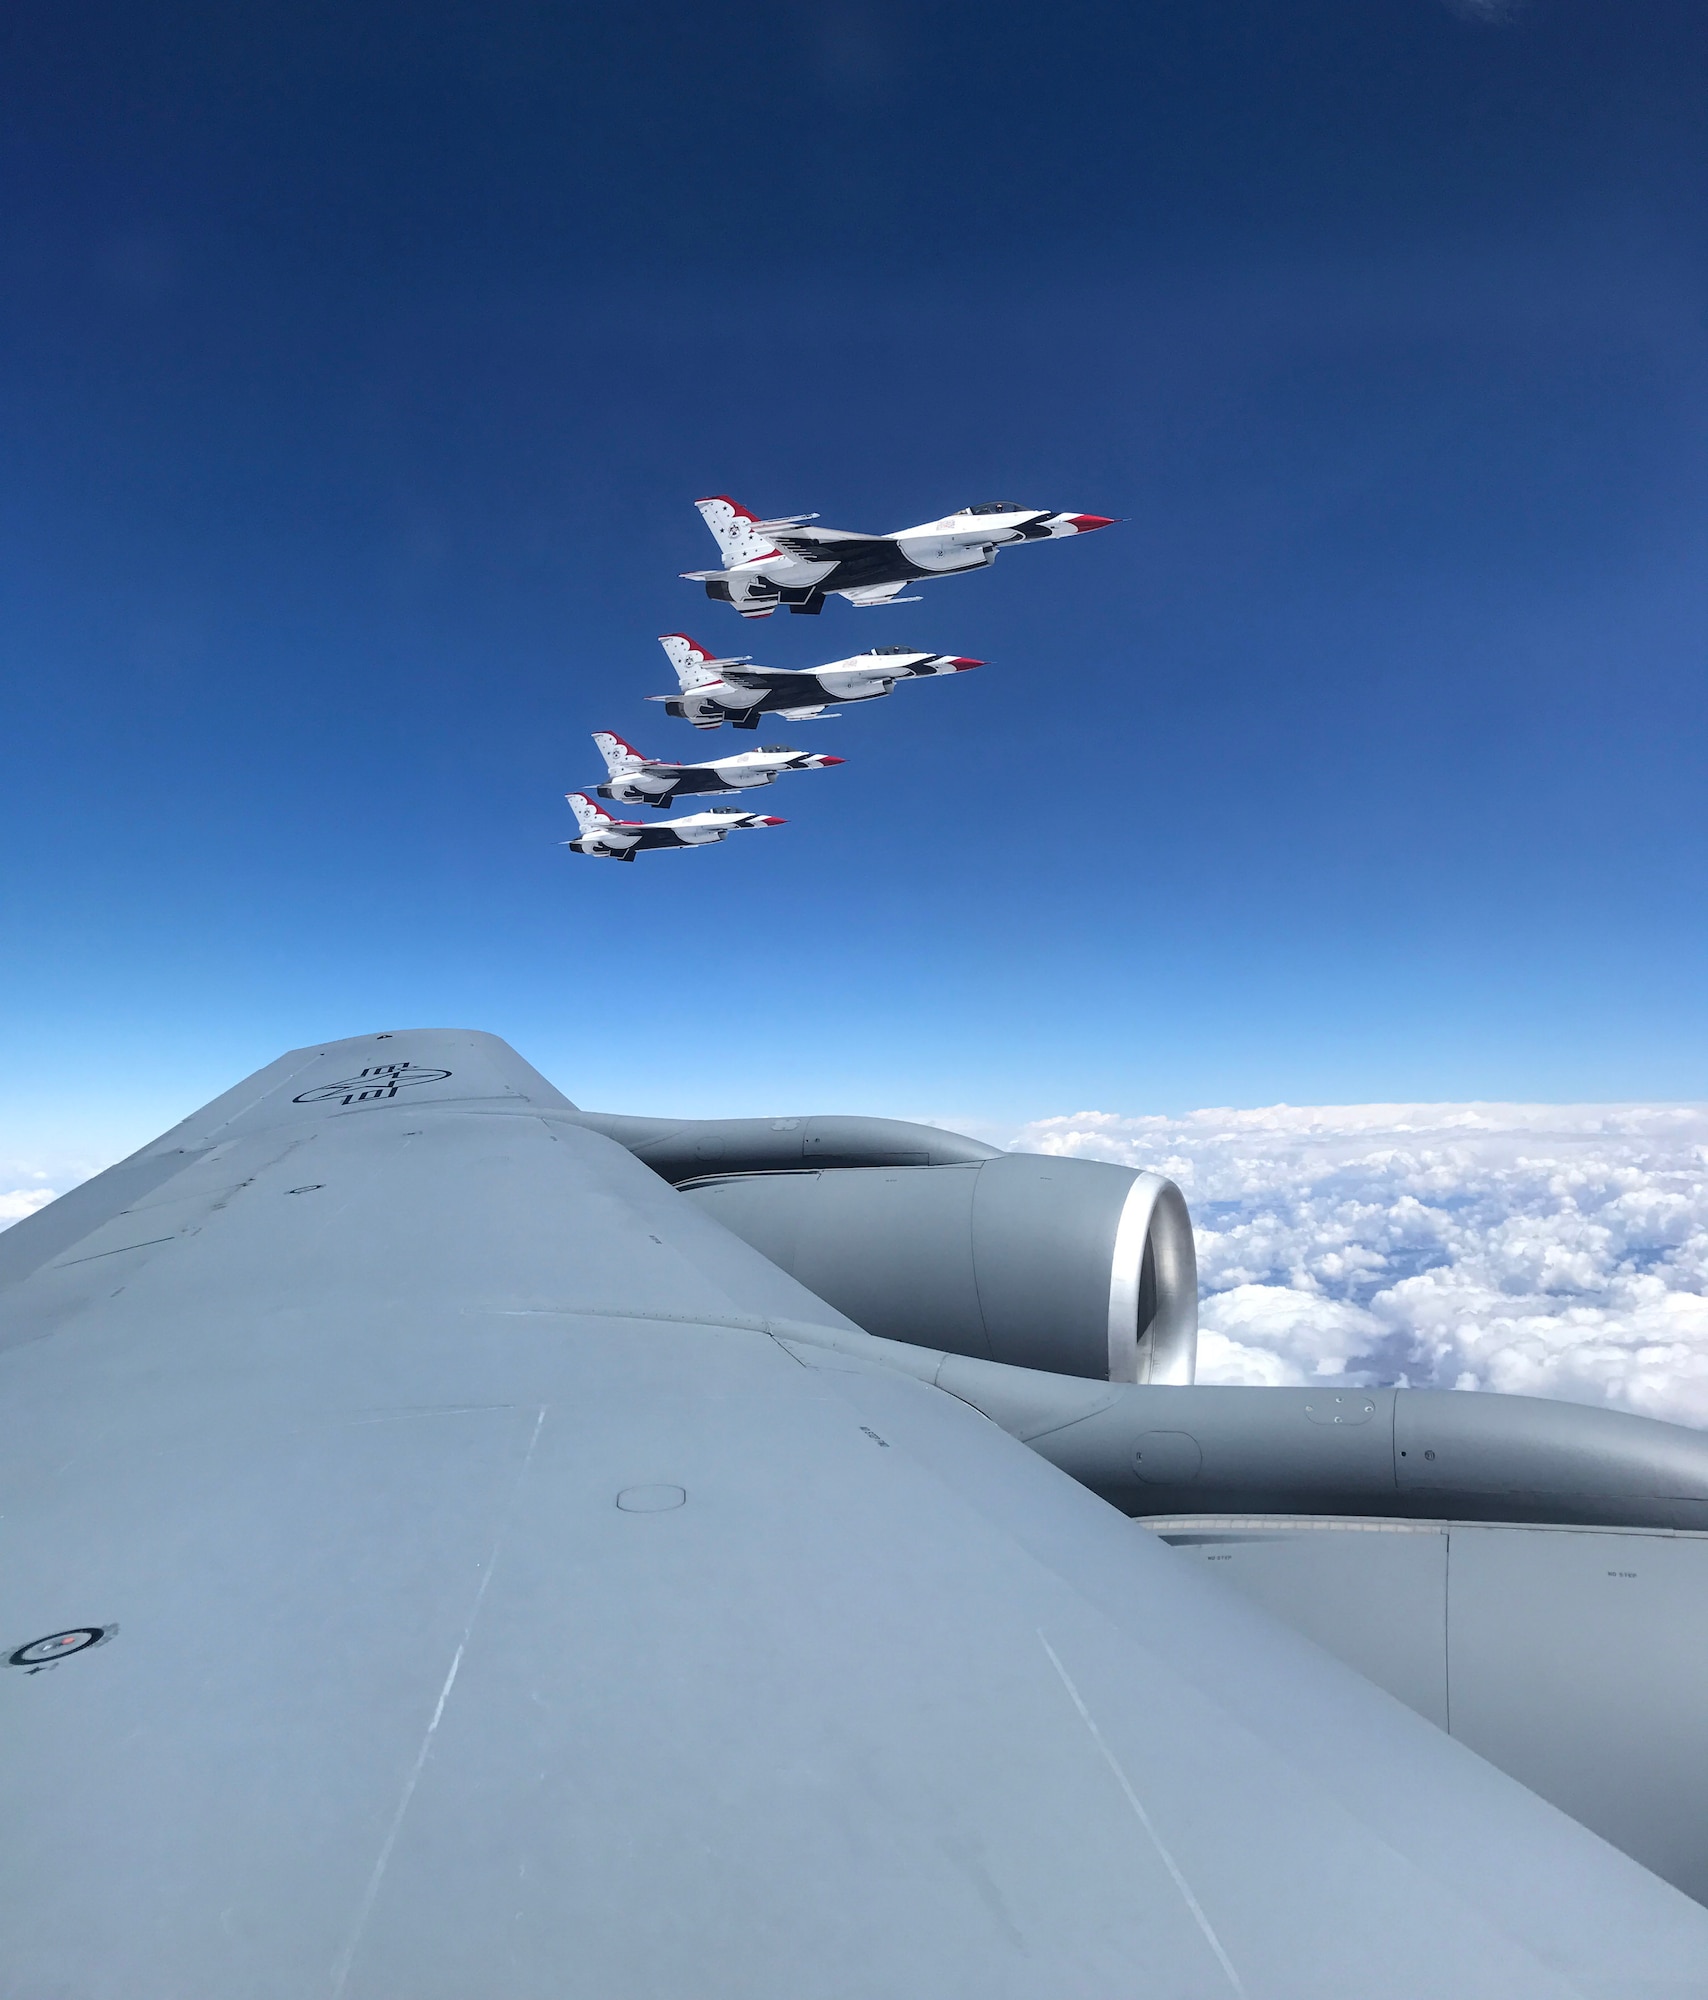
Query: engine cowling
[1070, 1265]
[685, 1149]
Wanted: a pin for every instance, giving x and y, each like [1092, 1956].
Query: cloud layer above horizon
[1542, 1250]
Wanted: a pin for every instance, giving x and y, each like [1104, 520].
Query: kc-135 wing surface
[439, 1560]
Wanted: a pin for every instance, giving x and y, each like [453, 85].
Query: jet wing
[439, 1560]
[774, 681]
[861, 561]
[829, 544]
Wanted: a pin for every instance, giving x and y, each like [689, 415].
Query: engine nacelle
[1070, 1265]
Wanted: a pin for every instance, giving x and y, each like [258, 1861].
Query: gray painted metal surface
[1074, 1266]
[1411, 1453]
[684, 1148]
[1571, 1657]
[360, 1428]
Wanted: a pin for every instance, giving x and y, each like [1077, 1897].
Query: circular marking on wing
[57, 1646]
[650, 1499]
[378, 1084]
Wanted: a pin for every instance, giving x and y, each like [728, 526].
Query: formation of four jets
[789, 562]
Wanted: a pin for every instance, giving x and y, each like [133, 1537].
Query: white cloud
[20, 1202]
[1551, 1250]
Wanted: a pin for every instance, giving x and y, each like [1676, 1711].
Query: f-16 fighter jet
[788, 561]
[648, 781]
[736, 691]
[608, 839]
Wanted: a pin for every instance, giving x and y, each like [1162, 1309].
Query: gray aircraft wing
[439, 1560]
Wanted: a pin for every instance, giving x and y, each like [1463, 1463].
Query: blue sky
[358, 369]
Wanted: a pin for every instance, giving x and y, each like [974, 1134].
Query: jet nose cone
[833, 760]
[963, 666]
[770, 819]
[1084, 523]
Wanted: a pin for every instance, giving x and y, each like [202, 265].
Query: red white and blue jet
[789, 561]
[715, 691]
[637, 780]
[608, 839]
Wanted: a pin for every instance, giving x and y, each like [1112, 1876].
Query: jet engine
[1070, 1265]
[1075, 1266]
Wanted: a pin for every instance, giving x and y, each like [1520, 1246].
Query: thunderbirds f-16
[456, 1544]
[789, 561]
[650, 781]
[716, 691]
[609, 839]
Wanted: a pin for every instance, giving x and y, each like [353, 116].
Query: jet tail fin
[695, 667]
[741, 536]
[588, 816]
[620, 757]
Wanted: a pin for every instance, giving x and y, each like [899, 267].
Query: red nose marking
[1086, 522]
[962, 666]
[833, 760]
[768, 821]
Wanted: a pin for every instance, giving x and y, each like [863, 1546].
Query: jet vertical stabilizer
[695, 667]
[741, 536]
[620, 757]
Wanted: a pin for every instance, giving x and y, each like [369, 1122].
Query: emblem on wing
[375, 1085]
[39, 1654]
